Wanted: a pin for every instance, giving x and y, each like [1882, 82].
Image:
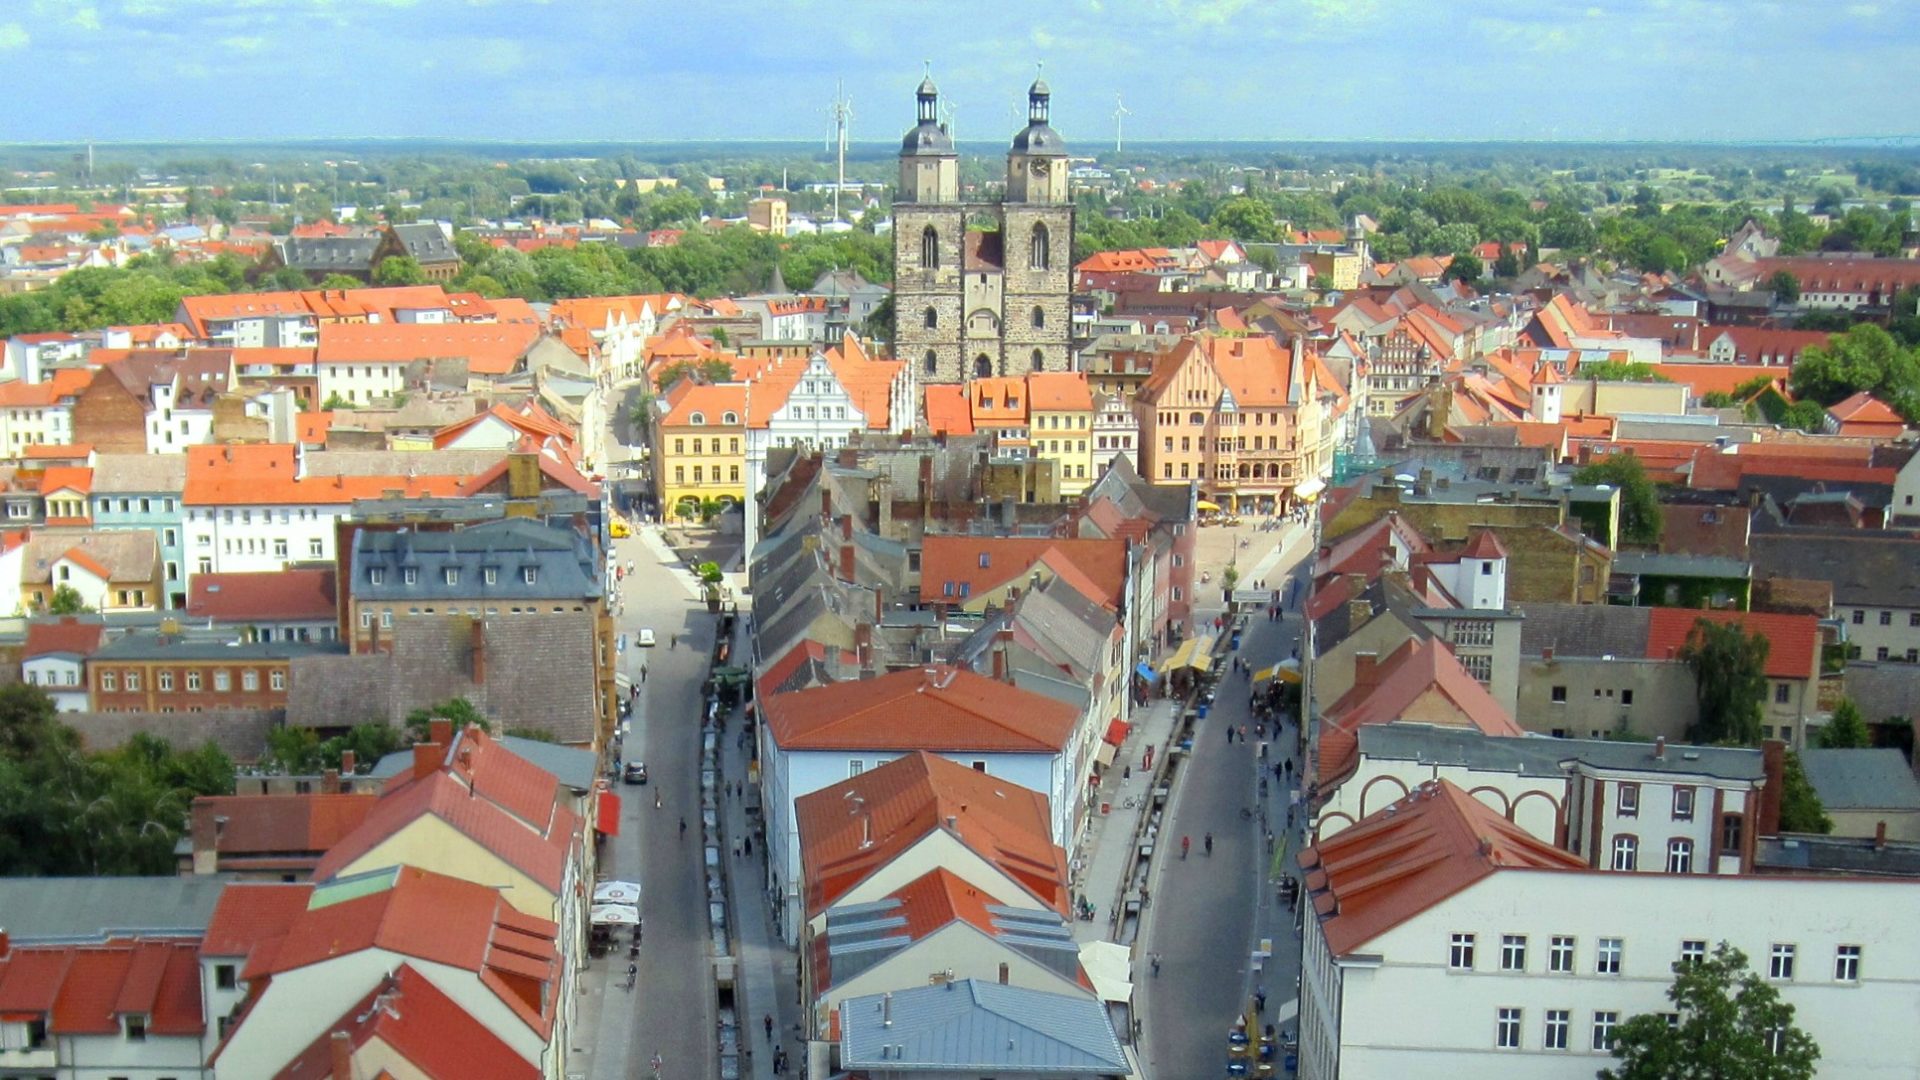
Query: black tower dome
[929, 136]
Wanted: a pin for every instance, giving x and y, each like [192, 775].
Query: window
[1628, 801]
[1556, 1033]
[279, 549]
[386, 619]
[249, 680]
[490, 575]
[1859, 617]
[1679, 856]
[278, 679]
[1626, 697]
[315, 549]
[1513, 952]
[223, 976]
[376, 576]
[1559, 695]
[366, 619]
[1478, 665]
[410, 575]
[529, 574]
[222, 680]
[1506, 1029]
[1460, 956]
[1626, 853]
[1782, 692]
[107, 681]
[929, 249]
[135, 1028]
[1693, 951]
[1846, 964]
[1780, 962]
[855, 767]
[1777, 1040]
[453, 575]
[930, 362]
[1603, 1025]
[1886, 618]
[1730, 832]
[1606, 960]
[193, 681]
[1040, 249]
[1683, 804]
[164, 680]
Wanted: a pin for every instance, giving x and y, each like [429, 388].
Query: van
[620, 529]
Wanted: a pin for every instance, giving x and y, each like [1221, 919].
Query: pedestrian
[673, 641]
[643, 678]
[1185, 843]
[748, 844]
[1243, 733]
[767, 1023]
[1289, 768]
[1260, 1000]
[683, 827]
[1229, 734]
[1209, 845]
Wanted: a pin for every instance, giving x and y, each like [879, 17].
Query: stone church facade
[982, 289]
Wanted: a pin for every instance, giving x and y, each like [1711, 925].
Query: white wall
[61, 678]
[1857, 1025]
[1379, 782]
[359, 383]
[250, 538]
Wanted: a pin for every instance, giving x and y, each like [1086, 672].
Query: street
[1209, 911]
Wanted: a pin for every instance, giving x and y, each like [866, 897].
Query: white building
[251, 320]
[812, 738]
[1116, 430]
[1443, 940]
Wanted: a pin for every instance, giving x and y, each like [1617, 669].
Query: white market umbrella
[615, 915]
[616, 892]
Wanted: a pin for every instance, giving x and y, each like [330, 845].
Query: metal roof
[1541, 755]
[1861, 779]
[90, 909]
[979, 1026]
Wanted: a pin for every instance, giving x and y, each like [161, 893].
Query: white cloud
[1040, 38]
[244, 43]
[13, 36]
[87, 18]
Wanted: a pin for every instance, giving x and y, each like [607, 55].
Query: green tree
[336, 281]
[1246, 219]
[1733, 1026]
[1800, 808]
[1864, 357]
[1785, 287]
[293, 750]
[419, 723]
[66, 600]
[399, 270]
[1730, 681]
[1640, 520]
[1464, 268]
[1456, 239]
[712, 371]
[1803, 416]
[1847, 730]
[289, 279]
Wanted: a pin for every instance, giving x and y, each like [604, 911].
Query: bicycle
[1130, 803]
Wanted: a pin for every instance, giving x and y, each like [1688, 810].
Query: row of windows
[163, 680]
[226, 516]
[1226, 446]
[386, 614]
[1039, 249]
[1243, 471]
[700, 474]
[1115, 442]
[1509, 1019]
[1226, 419]
[931, 319]
[1608, 953]
[733, 445]
[1559, 695]
[410, 575]
[728, 417]
[1626, 801]
[1626, 854]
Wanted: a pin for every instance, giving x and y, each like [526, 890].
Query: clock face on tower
[1040, 167]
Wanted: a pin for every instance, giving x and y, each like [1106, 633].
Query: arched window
[929, 249]
[1039, 360]
[931, 362]
[982, 367]
[1039, 317]
[932, 319]
[1197, 419]
[730, 418]
[1041, 249]
[697, 420]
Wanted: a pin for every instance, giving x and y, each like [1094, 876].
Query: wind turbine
[1120, 114]
[841, 111]
[946, 119]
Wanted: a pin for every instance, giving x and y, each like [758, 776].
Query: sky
[643, 70]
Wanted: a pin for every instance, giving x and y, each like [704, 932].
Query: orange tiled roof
[984, 563]
[713, 401]
[488, 348]
[429, 1031]
[263, 474]
[1394, 864]
[1059, 391]
[1793, 640]
[947, 410]
[939, 709]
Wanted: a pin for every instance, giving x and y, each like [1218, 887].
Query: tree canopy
[1640, 521]
[1732, 1026]
[715, 370]
[1800, 807]
[1730, 683]
[1847, 730]
[1864, 357]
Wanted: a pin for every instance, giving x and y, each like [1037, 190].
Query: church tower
[929, 229]
[1036, 227]
[982, 289]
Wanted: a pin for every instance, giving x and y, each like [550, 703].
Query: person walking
[1209, 845]
[1259, 1000]
[767, 1023]
[1185, 843]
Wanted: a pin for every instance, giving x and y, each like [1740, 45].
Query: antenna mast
[1120, 114]
[842, 112]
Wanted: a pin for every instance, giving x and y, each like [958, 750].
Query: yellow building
[699, 446]
[1060, 426]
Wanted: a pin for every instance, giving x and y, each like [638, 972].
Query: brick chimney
[863, 648]
[340, 1051]
[1879, 844]
[426, 759]
[1002, 638]
[205, 831]
[1773, 760]
[440, 731]
[1366, 671]
[349, 761]
[477, 640]
[1659, 748]
[330, 781]
[6, 943]
[846, 561]
[826, 501]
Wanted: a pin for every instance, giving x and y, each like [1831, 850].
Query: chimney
[340, 1049]
[426, 759]
[440, 731]
[1002, 639]
[1773, 758]
[1879, 844]
[330, 781]
[206, 836]
[879, 606]
[373, 636]
[826, 501]
[863, 648]
[1003, 974]
[348, 762]
[846, 562]
[1546, 654]
[846, 526]
[886, 1009]
[1659, 748]
[477, 640]
[1366, 670]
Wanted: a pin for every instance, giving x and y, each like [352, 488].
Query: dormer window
[490, 575]
[730, 418]
[529, 574]
[697, 419]
[453, 575]
[410, 575]
[134, 1027]
[376, 576]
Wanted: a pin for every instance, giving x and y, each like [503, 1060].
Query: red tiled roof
[1704, 379]
[423, 1027]
[66, 634]
[292, 825]
[1059, 391]
[263, 474]
[1793, 641]
[298, 594]
[539, 853]
[1394, 864]
[947, 410]
[488, 348]
[249, 914]
[86, 989]
[1401, 680]
[713, 401]
[985, 563]
[938, 709]
[853, 828]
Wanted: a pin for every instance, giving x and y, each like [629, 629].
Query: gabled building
[54, 658]
[105, 1008]
[296, 604]
[408, 1026]
[1421, 683]
[699, 449]
[979, 1027]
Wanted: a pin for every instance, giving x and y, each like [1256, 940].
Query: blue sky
[729, 69]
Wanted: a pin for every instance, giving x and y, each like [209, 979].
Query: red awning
[1117, 732]
[607, 821]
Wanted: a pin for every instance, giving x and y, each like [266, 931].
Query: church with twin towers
[982, 288]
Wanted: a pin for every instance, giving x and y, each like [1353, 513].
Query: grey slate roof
[979, 1027]
[1884, 690]
[321, 254]
[399, 462]
[1863, 779]
[90, 909]
[139, 474]
[562, 560]
[1662, 564]
[152, 645]
[427, 243]
[1868, 568]
[1811, 853]
[1584, 629]
[1540, 755]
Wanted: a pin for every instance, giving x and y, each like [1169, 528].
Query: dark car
[636, 772]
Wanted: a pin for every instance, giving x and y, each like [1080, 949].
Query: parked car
[646, 637]
[636, 772]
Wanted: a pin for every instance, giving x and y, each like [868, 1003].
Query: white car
[646, 637]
